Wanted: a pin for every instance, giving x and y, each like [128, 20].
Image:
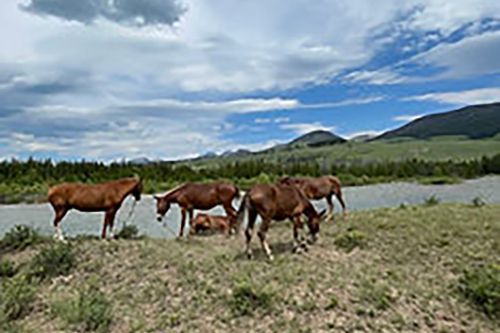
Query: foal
[104, 197]
[277, 202]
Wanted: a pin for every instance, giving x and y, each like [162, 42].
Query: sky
[170, 79]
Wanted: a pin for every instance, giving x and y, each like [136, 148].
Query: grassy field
[412, 269]
[435, 149]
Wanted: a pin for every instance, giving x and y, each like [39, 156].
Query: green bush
[247, 297]
[431, 201]
[57, 259]
[375, 294]
[19, 238]
[481, 286]
[89, 311]
[478, 202]
[129, 231]
[16, 297]
[7, 269]
[350, 240]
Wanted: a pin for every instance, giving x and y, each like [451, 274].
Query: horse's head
[162, 207]
[136, 192]
[313, 223]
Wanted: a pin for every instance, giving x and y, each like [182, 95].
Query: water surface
[40, 216]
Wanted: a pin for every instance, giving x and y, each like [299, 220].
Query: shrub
[16, 297]
[375, 294]
[90, 310]
[431, 201]
[7, 269]
[478, 202]
[19, 238]
[481, 286]
[248, 297]
[350, 240]
[58, 259]
[129, 231]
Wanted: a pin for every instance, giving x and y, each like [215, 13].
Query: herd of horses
[289, 198]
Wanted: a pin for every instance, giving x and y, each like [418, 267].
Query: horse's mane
[175, 189]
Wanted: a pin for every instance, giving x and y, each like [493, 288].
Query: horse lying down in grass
[212, 223]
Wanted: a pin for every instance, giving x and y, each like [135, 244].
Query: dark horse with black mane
[319, 188]
[104, 197]
[277, 202]
[192, 196]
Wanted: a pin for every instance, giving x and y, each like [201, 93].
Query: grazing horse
[277, 202]
[104, 197]
[319, 188]
[192, 196]
[203, 222]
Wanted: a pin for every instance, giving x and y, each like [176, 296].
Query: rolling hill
[316, 139]
[474, 122]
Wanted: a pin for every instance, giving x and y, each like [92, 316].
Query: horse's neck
[172, 197]
[309, 210]
[127, 189]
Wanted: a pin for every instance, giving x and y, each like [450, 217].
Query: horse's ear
[156, 197]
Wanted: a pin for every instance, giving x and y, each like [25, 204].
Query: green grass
[435, 149]
[88, 311]
[416, 270]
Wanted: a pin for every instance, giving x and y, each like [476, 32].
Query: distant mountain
[474, 122]
[362, 137]
[140, 161]
[316, 139]
[239, 152]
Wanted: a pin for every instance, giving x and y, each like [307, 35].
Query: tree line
[33, 171]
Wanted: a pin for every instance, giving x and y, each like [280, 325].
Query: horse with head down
[104, 197]
[277, 202]
[319, 188]
[202, 196]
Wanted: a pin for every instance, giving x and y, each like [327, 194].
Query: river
[40, 216]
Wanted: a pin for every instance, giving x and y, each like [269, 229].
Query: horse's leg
[338, 194]
[264, 226]
[60, 212]
[330, 206]
[296, 236]
[228, 208]
[299, 241]
[252, 215]
[183, 221]
[190, 213]
[111, 221]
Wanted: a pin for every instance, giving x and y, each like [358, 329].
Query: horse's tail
[240, 216]
[337, 190]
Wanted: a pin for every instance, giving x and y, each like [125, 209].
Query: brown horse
[104, 197]
[192, 196]
[204, 222]
[277, 202]
[319, 188]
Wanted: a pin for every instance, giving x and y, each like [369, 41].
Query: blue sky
[168, 79]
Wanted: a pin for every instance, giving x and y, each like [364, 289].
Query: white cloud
[368, 133]
[470, 56]
[407, 117]
[465, 97]
[109, 89]
[303, 128]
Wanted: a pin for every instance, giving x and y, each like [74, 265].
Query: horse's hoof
[271, 257]
[249, 256]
